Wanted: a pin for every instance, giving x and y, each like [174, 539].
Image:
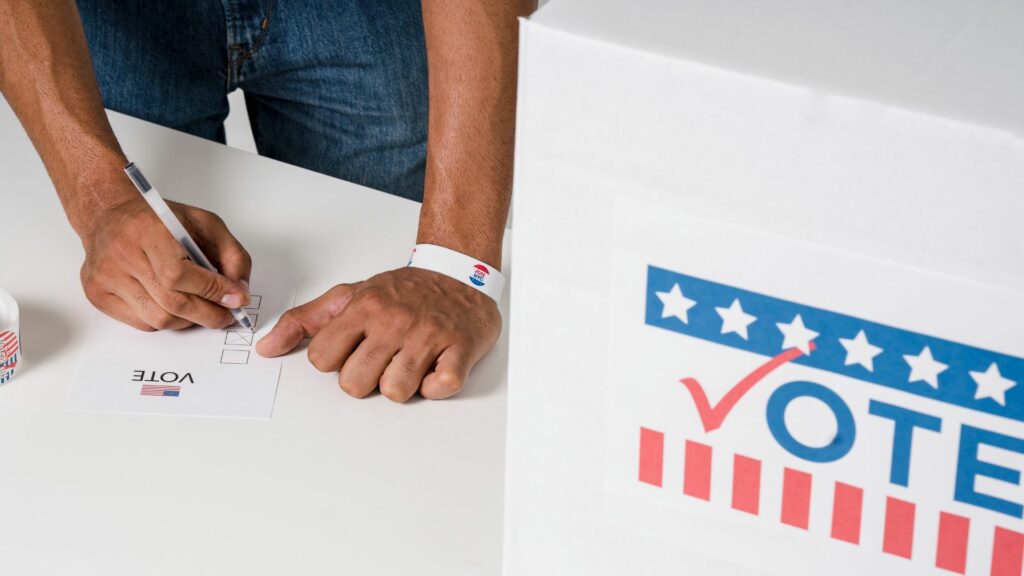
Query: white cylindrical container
[10, 338]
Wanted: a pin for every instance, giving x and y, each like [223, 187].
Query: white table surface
[329, 485]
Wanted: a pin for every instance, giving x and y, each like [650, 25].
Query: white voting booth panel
[769, 297]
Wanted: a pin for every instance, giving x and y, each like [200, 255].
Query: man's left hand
[403, 331]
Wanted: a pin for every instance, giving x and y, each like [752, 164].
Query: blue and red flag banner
[869, 351]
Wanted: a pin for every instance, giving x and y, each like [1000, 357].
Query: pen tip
[245, 322]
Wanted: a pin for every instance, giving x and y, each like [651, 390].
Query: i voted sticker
[10, 341]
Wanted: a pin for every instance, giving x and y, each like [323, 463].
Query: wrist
[489, 255]
[461, 267]
[484, 245]
[90, 194]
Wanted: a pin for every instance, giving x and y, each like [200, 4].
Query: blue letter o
[776, 411]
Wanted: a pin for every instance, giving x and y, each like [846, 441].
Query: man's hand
[403, 331]
[136, 272]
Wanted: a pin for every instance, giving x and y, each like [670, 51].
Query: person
[342, 88]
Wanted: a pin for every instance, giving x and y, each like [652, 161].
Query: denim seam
[257, 42]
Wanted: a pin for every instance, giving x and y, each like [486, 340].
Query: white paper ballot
[198, 371]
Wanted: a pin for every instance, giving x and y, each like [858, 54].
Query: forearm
[472, 51]
[47, 77]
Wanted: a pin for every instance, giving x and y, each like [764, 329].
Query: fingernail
[231, 300]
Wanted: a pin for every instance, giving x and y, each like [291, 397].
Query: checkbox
[234, 357]
[254, 302]
[238, 338]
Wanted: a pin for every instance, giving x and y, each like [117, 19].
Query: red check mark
[713, 416]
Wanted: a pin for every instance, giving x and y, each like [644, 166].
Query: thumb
[304, 321]
[449, 375]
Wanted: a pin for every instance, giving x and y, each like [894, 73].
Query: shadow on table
[44, 333]
[490, 375]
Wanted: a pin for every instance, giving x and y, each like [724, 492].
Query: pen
[163, 212]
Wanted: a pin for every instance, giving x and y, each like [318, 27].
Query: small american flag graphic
[160, 390]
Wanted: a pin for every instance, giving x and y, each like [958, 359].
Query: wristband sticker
[458, 266]
[479, 277]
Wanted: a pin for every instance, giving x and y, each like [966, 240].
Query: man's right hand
[136, 272]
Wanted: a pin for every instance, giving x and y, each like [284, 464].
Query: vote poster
[802, 410]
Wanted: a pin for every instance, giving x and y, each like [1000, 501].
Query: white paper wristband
[465, 269]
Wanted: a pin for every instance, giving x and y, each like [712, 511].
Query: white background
[236, 126]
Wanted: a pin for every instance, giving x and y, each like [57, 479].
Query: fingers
[334, 344]
[405, 373]
[174, 272]
[119, 310]
[187, 306]
[304, 321]
[449, 376]
[363, 369]
[146, 309]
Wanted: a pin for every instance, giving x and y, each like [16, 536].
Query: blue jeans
[337, 87]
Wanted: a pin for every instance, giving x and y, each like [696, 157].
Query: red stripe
[746, 484]
[952, 547]
[796, 498]
[652, 452]
[1007, 553]
[847, 504]
[898, 538]
[697, 477]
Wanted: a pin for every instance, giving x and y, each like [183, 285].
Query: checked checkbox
[238, 338]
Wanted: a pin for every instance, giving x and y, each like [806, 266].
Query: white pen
[163, 212]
